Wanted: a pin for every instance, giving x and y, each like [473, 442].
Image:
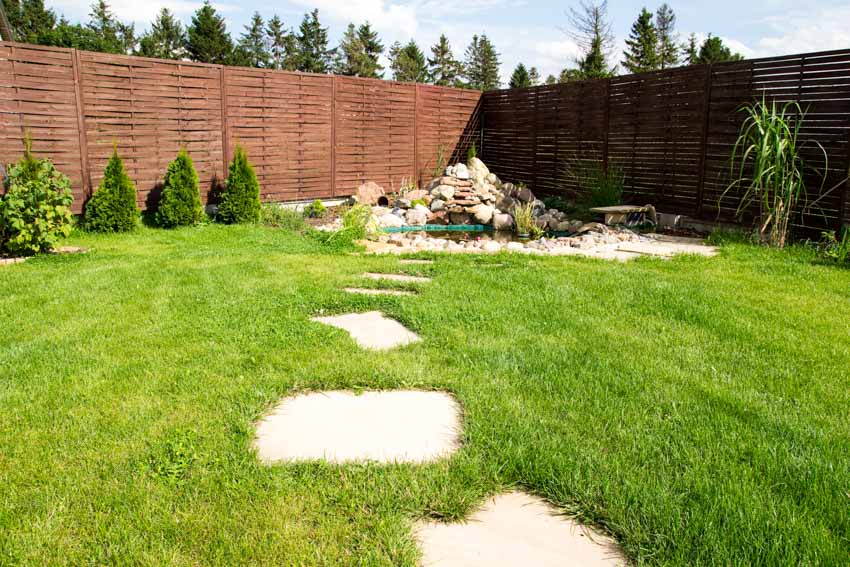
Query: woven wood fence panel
[309, 136]
[672, 132]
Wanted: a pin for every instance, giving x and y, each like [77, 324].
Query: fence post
[224, 136]
[81, 124]
[607, 125]
[333, 135]
[706, 112]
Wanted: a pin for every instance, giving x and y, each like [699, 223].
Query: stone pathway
[370, 291]
[515, 529]
[396, 277]
[387, 427]
[372, 330]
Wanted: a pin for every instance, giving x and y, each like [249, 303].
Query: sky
[528, 31]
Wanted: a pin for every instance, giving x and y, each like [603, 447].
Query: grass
[694, 408]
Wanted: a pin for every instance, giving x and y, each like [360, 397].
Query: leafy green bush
[596, 185]
[36, 208]
[415, 202]
[113, 206]
[240, 202]
[835, 249]
[180, 203]
[315, 210]
[272, 214]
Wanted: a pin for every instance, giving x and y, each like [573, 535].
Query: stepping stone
[396, 277]
[387, 427]
[371, 329]
[515, 529]
[367, 291]
[412, 262]
[9, 261]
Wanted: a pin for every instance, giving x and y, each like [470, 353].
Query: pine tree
[282, 50]
[443, 68]
[252, 45]
[591, 30]
[482, 64]
[180, 203]
[166, 38]
[113, 206]
[372, 50]
[312, 45]
[112, 36]
[551, 80]
[714, 51]
[358, 53]
[690, 51]
[348, 53]
[30, 21]
[240, 202]
[534, 76]
[408, 63]
[570, 75]
[208, 40]
[665, 26]
[640, 54]
[520, 78]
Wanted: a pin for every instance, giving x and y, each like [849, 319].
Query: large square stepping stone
[515, 529]
[338, 426]
[396, 277]
[372, 291]
[372, 330]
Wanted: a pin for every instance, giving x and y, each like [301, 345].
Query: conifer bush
[240, 202]
[180, 203]
[113, 206]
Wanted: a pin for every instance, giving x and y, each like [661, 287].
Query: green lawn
[697, 409]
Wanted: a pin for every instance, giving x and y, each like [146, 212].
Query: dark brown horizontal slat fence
[672, 132]
[309, 136]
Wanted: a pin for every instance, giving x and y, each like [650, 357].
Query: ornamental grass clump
[35, 210]
[767, 166]
[180, 203]
[113, 206]
[240, 202]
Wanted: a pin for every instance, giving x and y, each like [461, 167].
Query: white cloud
[141, 13]
[801, 31]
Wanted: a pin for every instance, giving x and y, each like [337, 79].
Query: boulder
[461, 171]
[390, 220]
[545, 221]
[417, 216]
[476, 166]
[439, 217]
[437, 205]
[503, 221]
[493, 179]
[444, 192]
[538, 207]
[416, 194]
[524, 194]
[483, 213]
[505, 203]
[460, 218]
[563, 226]
[371, 193]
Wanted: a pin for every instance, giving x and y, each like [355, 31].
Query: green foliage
[358, 53]
[551, 80]
[482, 64]
[35, 211]
[113, 206]
[524, 219]
[533, 77]
[408, 63]
[240, 202]
[415, 202]
[640, 54]
[252, 45]
[520, 78]
[597, 187]
[665, 26]
[443, 68]
[315, 210]
[166, 38]
[471, 153]
[690, 51]
[312, 45]
[713, 50]
[591, 30]
[281, 44]
[172, 461]
[180, 203]
[356, 221]
[440, 163]
[273, 215]
[769, 166]
[208, 40]
[556, 203]
[834, 249]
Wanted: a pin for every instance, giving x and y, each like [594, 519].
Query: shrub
[113, 206]
[315, 210]
[180, 203]
[356, 222]
[525, 222]
[35, 210]
[472, 152]
[835, 249]
[272, 214]
[597, 186]
[240, 202]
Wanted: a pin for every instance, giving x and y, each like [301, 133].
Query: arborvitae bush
[240, 202]
[113, 206]
[180, 203]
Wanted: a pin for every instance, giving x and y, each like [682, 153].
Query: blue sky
[527, 30]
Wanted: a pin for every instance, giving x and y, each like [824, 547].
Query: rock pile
[469, 194]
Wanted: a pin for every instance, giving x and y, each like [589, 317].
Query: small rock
[525, 195]
[371, 193]
[417, 216]
[460, 218]
[444, 192]
[437, 205]
[514, 246]
[483, 213]
[593, 227]
[491, 246]
[503, 221]
[461, 171]
[419, 194]
[563, 227]
[402, 203]
[390, 220]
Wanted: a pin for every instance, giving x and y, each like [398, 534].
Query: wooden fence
[309, 136]
[672, 132]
